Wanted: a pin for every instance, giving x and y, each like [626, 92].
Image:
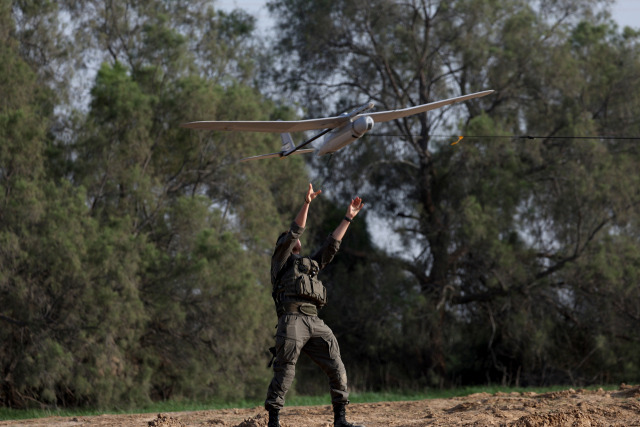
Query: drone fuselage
[345, 135]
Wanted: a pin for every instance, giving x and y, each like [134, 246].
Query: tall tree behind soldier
[491, 227]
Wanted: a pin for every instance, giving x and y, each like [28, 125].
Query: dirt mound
[574, 418]
[627, 391]
[557, 394]
[215, 422]
[165, 421]
[257, 421]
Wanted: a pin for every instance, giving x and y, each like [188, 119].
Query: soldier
[298, 294]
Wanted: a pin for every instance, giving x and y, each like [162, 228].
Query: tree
[50, 282]
[202, 219]
[135, 264]
[491, 228]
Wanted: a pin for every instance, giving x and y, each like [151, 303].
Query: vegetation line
[366, 397]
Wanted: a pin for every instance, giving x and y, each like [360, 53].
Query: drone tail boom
[288, 148]
[280, 154]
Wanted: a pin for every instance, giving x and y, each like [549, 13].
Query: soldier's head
[298, 246]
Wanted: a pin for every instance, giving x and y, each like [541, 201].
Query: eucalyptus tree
[491, 229]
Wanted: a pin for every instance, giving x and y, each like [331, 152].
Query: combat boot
[274, 418]
[339, 420]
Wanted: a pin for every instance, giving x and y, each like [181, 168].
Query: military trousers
[309, 334]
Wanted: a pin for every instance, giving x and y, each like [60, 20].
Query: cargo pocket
[334, 349]
[287, 349]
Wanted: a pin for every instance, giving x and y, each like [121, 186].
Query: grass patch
[296, 400]
[155, 407]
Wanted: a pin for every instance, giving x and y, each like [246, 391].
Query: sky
[625, 12]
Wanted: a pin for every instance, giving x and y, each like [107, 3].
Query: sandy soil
[563, 408]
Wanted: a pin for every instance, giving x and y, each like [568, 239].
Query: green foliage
[494, 233]
[134, 254]
[133, 251]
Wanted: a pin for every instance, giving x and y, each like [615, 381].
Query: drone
[338, 131]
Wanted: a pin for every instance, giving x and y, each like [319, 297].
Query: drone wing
[385, 116]
[281, 126]
[270, 126]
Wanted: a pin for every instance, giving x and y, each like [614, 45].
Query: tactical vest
[300, 282]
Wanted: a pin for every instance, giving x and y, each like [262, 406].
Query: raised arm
[289, 242]
[325, 254]
[352, 211]
[301, 218]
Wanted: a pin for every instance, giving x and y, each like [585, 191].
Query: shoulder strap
[287, 265]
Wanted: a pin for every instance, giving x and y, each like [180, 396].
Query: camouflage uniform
[299, 327]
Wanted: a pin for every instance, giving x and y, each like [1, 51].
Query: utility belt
[295, 307]
[299, 283]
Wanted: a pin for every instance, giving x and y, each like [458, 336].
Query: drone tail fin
[287, 142]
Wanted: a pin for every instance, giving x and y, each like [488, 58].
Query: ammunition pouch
[300, 282]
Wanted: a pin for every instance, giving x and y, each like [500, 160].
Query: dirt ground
[563, 408]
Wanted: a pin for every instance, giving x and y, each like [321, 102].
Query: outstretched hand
[354, 207]
[311, 194]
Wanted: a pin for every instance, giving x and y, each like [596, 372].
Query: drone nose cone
[362, 125]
